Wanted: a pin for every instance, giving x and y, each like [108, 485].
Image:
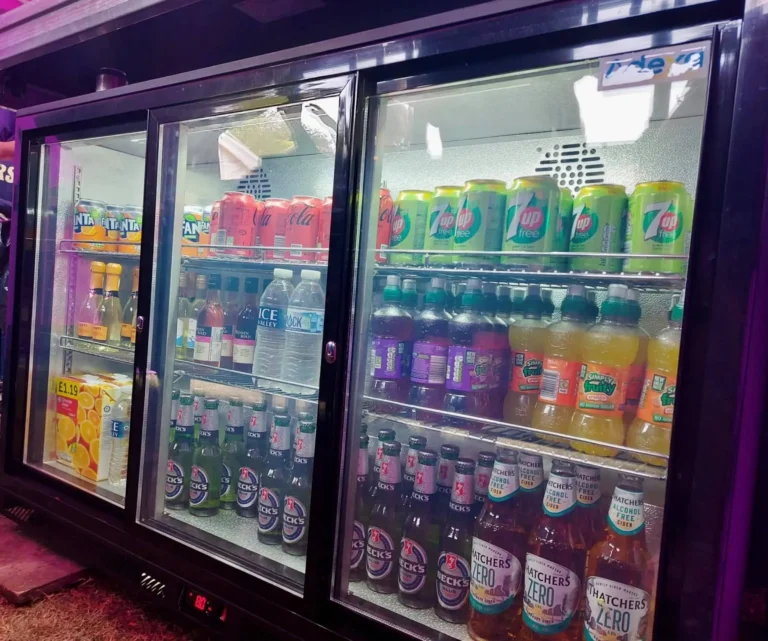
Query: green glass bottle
[298, 492]
[254, 460]
[273, 480]
[205, 481]
[232, 451]
[180, 455]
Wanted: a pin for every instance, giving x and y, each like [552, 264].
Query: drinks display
[304, 331]
[209, 331]
[272, 227]
[599, 218]
[246, 323]
[532, 220]
[131, 223]
[298, 492]
[128, 328]
[88, 316]
[270, 329]
[231, 309]
[109, 315]
[87, 225]
[409, 225]
[479, 222]
[441, 223]
[205, 476]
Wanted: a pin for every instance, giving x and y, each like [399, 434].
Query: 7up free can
[478, 224]
[599, 213]
[659, 222]
[533, 205]
[441, 224]
[409, 223]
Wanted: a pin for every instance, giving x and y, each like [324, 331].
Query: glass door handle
[330, 352]
[139, 323]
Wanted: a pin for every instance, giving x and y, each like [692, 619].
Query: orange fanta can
[130, 230]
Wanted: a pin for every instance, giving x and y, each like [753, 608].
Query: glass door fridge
[523, 262]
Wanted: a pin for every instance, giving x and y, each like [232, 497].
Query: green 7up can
[532, 220]
[441, 223]
[478, 225]
[659, 222]
[599, 213]
[409, 223]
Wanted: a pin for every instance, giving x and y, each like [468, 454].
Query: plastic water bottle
[118, 460]
[304, 332]
[270, 330]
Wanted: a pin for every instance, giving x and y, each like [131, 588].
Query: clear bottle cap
[617, 291]
[409, 284]
[576, 290]
[437, 283]
[393, 281]
[473, 283]
[310, 274]
[631, 294]
[286, 274]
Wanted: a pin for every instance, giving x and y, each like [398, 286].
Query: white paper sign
[668, 64]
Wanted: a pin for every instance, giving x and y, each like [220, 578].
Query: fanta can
[531, 223]
[479, 222]
[87, 225]
[441, 223]
[324, 229]
[111, 224]
[409, 224]
[272, 227]
[302, 227]
[195, 232]
[384, 224]
[130, 230]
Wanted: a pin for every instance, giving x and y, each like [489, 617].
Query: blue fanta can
[270, 330]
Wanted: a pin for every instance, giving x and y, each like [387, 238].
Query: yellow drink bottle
[526, 340]
[562, 362]
[652, 427]
[609, 348]
[637, 369]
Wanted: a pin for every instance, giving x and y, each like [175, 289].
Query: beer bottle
[254, 460]
[482, 478]
[273, 479]
[416, 444]
[554, 565]
[386, 435]
[619, 577]
[232, 452]
[362, 512]
[205, 481]
[498, 554]
[384, 525]
[445, 470]
[421, 537]
[589, 514]
[175, 395]
[180, 455]
[199, 411]
[298, 493]
[532, 487]
[453, 565]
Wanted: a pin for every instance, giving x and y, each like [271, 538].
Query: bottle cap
[518, 294]
[502, 291]
[473, 284]
[417, 442]
[310, 274]
[392, 448]
[616, 303]
[186, 399]
[392, 291]
[114, 269]
[364, 441]
[427, 457]
[450, 452]
[437, 283]
[386, 434]
[546, 294]
[98, 267]
[211, 404]
[393, 281]
[489, 288]
[175, 394]
[409, 284]
[486, 459]
[235, 402]
[465, 466]
[576, 290]
[534, 290]
[201, 281]
[285, 274]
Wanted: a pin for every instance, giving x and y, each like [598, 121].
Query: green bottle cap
[211, 404]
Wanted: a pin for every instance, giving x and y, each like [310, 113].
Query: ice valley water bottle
[270, 331]
[304, 331]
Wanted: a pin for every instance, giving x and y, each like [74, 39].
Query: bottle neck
[113, 285]
[302, 464]
[250, 299]
[213, 296]
[230, 298]
[200, 292]
[97, 291]
[184, 432]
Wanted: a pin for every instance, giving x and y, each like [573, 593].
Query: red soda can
[272, 227]
[236, 223]
[216, 239]
[384, 226]
[324, 231]
[301, 230]
[257, 219]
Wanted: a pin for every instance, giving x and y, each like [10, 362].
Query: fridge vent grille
[257, 184]
[573, 165]
[18, 513]
[152, 585]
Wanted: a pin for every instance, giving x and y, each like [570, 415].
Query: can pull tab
[330, 352]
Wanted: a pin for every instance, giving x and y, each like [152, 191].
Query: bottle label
[468, 369]
[269, 510]
[247, 487]
[560, 495]
[208, 343]
[199, 486]
[174, 481]
[388, 356]
[635, 378]
[411, 463]
[362, 464]
[271, 317]
[504, 481]
[295, 517]
[279, 439]
[180, 333]
[227, 489]
[587, 486]
[85, 330]
[379, 554]
[601, 389]
[244, 346]
[429, 363]
[496, 577]
[482, 481]
[657, 402]
[551, 595]
[528, 217]
[424, 482]
[412, 576]
[446, 468]
[191, 332]
[305, 445]
[358, 545]
[389, 472]
[526, 372]
[119, 428]
[453, 580]
[559, 381]
[531, 470]
[305, 321]
[626, 514]
[99, 333]
[615, 611]
[227, 339]
[257, 423]
[463, 493]
[126, 329]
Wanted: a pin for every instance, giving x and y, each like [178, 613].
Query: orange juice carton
[84, 408]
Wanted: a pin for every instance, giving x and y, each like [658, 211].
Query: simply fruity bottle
[469, 358]
[562, 361]
[500, 346]
[609, 348]
[636, 374]
[652, 427]
[526, 338]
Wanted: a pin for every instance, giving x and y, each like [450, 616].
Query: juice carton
[84, 406]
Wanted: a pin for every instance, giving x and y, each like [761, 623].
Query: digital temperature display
[200, 602]
[202, 605]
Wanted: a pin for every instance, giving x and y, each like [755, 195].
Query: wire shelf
[95, 348]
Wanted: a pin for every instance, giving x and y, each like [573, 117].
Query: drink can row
[102, 227]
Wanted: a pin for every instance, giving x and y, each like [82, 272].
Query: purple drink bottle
[501, 352]
[470, 359]
[430, 351]
[392, 336]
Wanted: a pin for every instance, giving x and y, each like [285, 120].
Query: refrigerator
[387, 340]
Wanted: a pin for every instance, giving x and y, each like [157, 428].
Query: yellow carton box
[84, 409]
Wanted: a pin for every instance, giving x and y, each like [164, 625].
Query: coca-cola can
[216, 238]
[272, 227]
[384, 226]
[324, 231]
[302, 227]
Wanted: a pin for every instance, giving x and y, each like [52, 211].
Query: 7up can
[409, 224]
[599, 213]
[659, 222]
[441, 223]
[478, 224]
[531, 221]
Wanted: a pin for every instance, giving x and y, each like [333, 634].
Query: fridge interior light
[434, 142]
